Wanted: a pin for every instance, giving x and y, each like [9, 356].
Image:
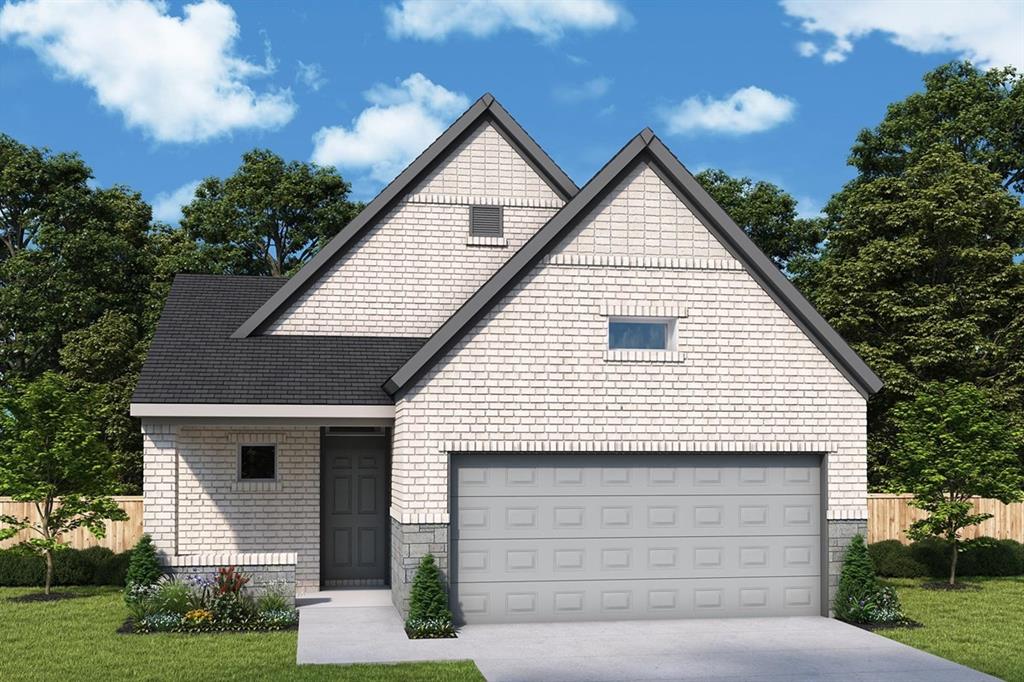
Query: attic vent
[485, 221]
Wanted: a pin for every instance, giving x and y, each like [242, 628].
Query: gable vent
[485, 221]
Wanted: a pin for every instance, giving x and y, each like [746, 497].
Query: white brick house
[587, 403]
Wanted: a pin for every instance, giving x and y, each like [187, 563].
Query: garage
[635, 536]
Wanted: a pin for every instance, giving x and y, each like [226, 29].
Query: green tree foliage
[954, 443]
[429, 614]
[270, 217]
[143, 567]
[919, 276]
[977, 113]
[51, 455]
[767, 213]
[857, 580]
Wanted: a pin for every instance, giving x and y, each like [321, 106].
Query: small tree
[429, 615]
[953, 443]
[51, 455]
[143, 567]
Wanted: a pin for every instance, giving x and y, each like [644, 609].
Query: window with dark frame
[257, 462]
[485, 221]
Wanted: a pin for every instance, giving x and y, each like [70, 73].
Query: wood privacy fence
[889, 516]
[121, 535]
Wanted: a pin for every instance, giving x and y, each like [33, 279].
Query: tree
[954, 443]
[919, 275]
[976, 113]
[51, 455]
[429, 615]
[271, 216]
[766, 213]
[35, 187]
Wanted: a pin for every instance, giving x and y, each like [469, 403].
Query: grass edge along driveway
[76, 639]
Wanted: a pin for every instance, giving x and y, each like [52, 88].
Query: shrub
[982, 557]
[171, 596]
[72, 567]
[113, 569]
[892, 559]
[273, 600]
[933, 554]
[143, 568]
[860, 598]
[21, 569]
[429, 615]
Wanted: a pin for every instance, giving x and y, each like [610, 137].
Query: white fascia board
[233, 410]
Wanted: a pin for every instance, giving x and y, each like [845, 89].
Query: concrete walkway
[361, 626]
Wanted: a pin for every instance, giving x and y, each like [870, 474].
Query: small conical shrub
[143, 567]
[860, 598]
[429, 615]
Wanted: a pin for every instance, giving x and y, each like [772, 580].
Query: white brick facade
[418, 264]
[534, 375]
[195, 504]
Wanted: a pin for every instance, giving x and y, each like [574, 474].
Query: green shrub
[860, 598]
[273, 600]
[171, 596]
[892, 559]
[933, 554]
[19, 568]
[72, 567]
[143, 567]
[113, 569]
[429, 615]
[982, 557]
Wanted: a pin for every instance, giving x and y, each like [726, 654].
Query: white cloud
[594, 88]
[178, 79]
[311, 75]
[167, 205]
[806, 48]
[748, 110]
[546, 19]
[400, 123]
[988, 32]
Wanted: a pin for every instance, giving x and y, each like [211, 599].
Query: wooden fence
[121, 535]
[889, 516]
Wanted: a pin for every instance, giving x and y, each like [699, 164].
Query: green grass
[75, 639]
[982, 629]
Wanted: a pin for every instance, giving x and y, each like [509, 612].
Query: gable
[647, 149]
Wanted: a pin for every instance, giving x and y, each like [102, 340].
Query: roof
[644, 147]
[485, 109]
[193, 358]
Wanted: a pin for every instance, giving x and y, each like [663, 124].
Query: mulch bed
[40, 597]
[947, 587]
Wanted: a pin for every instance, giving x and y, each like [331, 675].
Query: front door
[354, 532]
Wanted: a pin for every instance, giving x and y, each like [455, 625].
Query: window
[626, 333]
[257, 462]
[485, 221]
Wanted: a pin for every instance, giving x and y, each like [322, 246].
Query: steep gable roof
[645, 147]
[485, 109]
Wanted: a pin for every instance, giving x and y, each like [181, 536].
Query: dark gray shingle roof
[193, 358]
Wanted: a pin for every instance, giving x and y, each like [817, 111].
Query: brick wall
[535, 373]
[417, 265]
[204, 509]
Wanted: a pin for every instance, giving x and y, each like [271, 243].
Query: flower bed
[224, 602]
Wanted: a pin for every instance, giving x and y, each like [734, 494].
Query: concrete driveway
[368, 630]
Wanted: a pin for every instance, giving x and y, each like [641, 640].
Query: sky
[159, 95]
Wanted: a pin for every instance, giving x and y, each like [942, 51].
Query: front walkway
[361, 626]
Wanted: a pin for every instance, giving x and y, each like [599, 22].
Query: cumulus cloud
[311, 75]
[547, 19]
[594, 88]
[748, 110]
[400, 122]
[176, 78]
[167, 205]
[806, 48]
[988, 32]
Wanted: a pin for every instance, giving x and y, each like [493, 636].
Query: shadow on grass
[58, 595]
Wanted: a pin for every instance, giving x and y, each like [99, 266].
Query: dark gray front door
[355, 509]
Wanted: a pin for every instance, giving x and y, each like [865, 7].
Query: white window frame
[665, 312]
[670, 337]
[238, 463]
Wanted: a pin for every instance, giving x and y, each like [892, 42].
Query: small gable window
[486, 221]
[257, 462]
[637, 333]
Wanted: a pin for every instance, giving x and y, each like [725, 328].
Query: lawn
[982, 629]
[76, 639]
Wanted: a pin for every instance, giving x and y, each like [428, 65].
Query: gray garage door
[594, 537]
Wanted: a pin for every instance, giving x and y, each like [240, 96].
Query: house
[594, 403]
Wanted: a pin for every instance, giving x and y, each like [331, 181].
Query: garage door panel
[504, 602]
[636, 558]
[579, 474]
[631, 515]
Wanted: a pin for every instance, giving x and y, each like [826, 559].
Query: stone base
[410, 542]
[840, 532]
[265, 569]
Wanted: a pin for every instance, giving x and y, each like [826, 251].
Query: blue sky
[158, 96]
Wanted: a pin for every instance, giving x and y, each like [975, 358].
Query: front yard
[982, 629]
[76, 639]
